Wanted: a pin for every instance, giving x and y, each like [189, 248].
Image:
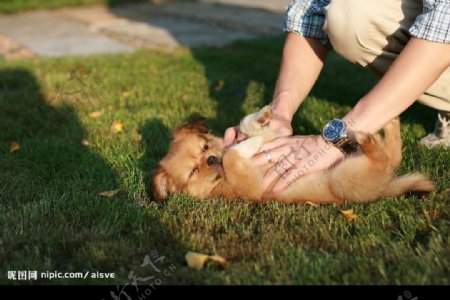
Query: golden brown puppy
[198, 165]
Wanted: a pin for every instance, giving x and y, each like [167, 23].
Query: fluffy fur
[198, 165]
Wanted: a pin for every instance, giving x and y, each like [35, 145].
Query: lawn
[61, 111]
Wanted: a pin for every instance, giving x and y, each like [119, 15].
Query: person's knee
[346, 24]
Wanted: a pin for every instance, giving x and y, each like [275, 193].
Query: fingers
[279, 148]
[275, 144]
[291, 165]
[282, 169]
[230, 136]
[284, 181]
[271, 175]
[261, 158]
[289, 177]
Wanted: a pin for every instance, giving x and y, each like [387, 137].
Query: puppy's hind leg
[372, 146]
[393, 142]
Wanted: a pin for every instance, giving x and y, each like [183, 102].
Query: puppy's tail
[415, 182]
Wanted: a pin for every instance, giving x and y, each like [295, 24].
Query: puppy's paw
[362, 137]
[371, 145]
[254, 124]
[393, 128]
[264, 116]
[394, 123]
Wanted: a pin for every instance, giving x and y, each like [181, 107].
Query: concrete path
[125, 28]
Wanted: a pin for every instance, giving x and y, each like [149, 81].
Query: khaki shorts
[372, 33]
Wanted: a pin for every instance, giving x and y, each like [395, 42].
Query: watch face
[334, 130]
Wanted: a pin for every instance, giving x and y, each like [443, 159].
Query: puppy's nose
[212, 160]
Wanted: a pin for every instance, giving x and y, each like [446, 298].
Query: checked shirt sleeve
[434, 23]
[306, 18]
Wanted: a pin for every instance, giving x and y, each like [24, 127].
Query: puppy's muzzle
[212, 160]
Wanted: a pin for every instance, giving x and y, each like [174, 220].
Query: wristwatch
[335, 132]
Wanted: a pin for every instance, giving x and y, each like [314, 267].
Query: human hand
[295, 156]
[278, 124]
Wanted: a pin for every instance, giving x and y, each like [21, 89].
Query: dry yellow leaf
[85, 142]
[126, 94]
[14, 146]
[433, 214]
[445, 193]
[109, 193]
[312, 204]
[198, 261]
[117, 126]
[96, 114]
[349, 214]
[220, 85]
[154, 70]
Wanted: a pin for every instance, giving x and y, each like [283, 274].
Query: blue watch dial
[334, 130]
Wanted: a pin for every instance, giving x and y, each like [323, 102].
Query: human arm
[417, 67]
[301, 64]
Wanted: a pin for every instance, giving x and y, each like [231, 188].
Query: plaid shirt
[306, 17]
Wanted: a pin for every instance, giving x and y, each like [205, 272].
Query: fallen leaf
[433, 214]
[198, 261]
[113, 107]
[220, 85]
[444, 193]
[96, 114]
[349, 214]
[312, 204]
[117, 126]
[154, 70]
[85, 142]
[109, 194]
[126, 94]
[137, 138]
[14, 146]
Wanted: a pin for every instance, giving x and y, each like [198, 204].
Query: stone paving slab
[102, 29]
[235, 18]
[46, 34]
[272, 5]
[148, 28]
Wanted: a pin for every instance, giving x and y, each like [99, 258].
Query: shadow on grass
[156, 137]
[51, 214]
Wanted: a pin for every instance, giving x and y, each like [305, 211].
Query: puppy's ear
[160, 185]
[195, 124]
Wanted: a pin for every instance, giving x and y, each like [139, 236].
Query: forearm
[417, 67]
[301, 64]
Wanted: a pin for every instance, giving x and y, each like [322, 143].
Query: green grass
[52, 218]
[15, 6]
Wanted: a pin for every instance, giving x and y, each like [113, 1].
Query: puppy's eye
[195, 170]
[205, 148]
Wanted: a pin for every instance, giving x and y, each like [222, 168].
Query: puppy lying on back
[198, 165]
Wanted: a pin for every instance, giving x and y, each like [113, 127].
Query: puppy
[197, 164]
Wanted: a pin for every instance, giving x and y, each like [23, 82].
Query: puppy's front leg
[249, 147]
[243, 177]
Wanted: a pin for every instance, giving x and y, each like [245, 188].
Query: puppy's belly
[313, 187]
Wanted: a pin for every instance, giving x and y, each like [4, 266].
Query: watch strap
[346, 145]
